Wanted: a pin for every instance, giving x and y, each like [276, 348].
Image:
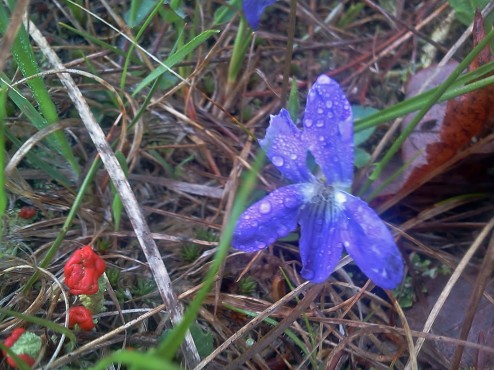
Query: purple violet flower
[330, 218]
[253, 10]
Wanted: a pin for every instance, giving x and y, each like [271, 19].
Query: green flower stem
[239, 48]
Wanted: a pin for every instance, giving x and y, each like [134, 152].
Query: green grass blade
[135, 359]
[466, 83]
[34, 159]
[144, 27]
[3, 115]
[41, 322]
[8, 352]
[293, 104]
[117, 205]
[172, 342]
[175, 58]
[94, 40]
[239, 49]
[438, 93]
[290, 334]
[26, 61]
[52, 251]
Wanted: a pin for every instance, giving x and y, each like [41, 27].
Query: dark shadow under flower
[330, 218]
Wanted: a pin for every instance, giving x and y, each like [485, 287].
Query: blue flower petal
[370, 243]
[272, 217]
[253, 10]
[285, 148]
[328, 130]
[320, 241]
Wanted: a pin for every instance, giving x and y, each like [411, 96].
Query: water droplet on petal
[290, 202]
[282, 230]
[329, 104]
[321, 138]
[265, 207]
[320, 123]
[346, 244]
[277, 161]
[260, 245]
[320, 110]
[330, 115]
[323, 80]
[293, 156]
[308, 123]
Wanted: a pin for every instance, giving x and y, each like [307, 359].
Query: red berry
[83, 270]
[81, 316]
[27, 212]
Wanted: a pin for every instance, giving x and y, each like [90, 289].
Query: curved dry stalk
[408, 332]
[128, 198]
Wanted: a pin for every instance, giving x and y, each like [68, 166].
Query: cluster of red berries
[81, 272]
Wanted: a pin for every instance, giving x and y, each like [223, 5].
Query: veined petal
[320, 241]
[272, 217]
[370, 243]
[253, 10]
[328, 130]
[285, 148]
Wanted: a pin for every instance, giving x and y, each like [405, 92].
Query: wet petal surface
[273, 217]
[369, 242]
[285, 148]
[328, 130]
[320, 242]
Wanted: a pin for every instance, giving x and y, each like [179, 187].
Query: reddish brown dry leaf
[448, 127]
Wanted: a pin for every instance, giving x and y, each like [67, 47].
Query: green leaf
[360, 112]
[465, 10]
[361, 158]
